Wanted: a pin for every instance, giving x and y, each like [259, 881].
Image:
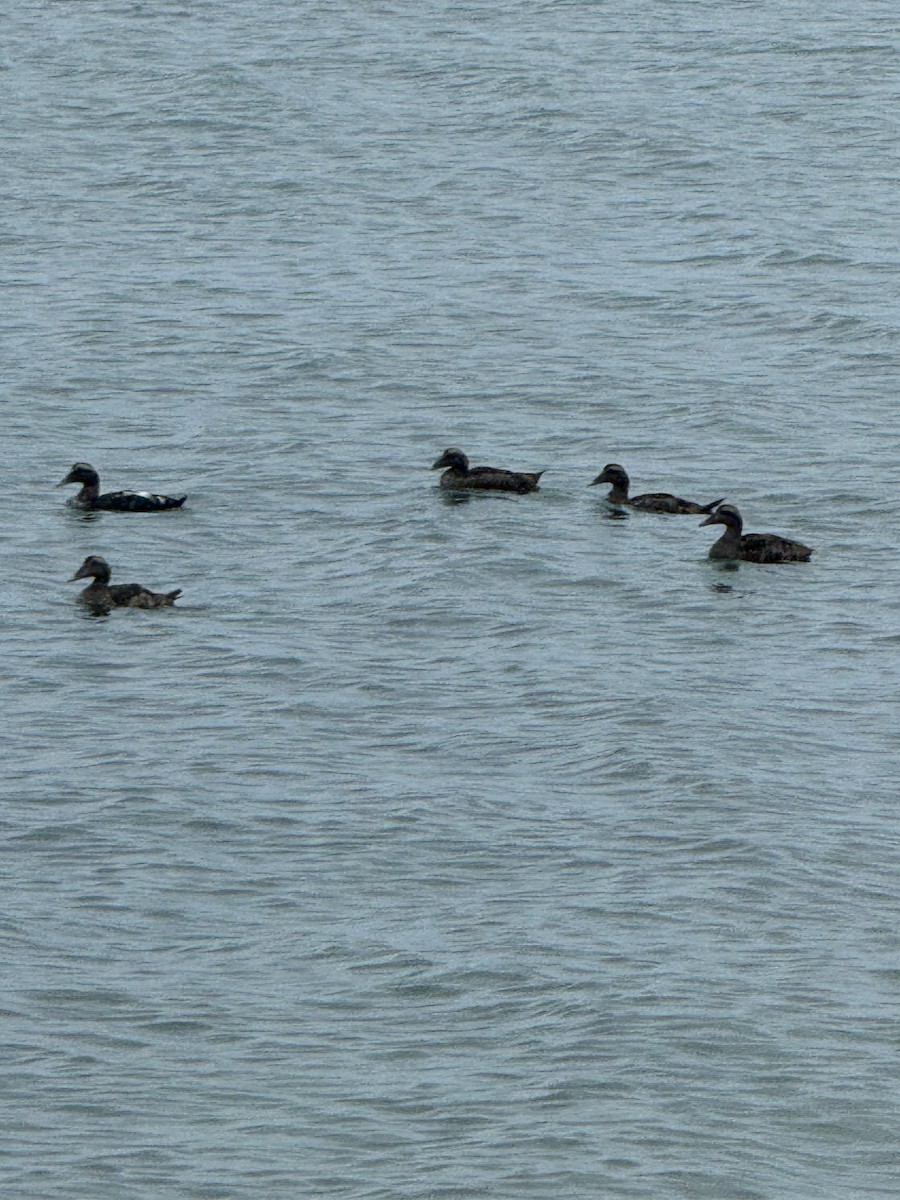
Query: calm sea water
[507, 848]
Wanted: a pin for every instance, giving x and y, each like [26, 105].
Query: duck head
[454, 459]
[614, 474]
[726, 514]
[82, 473]
[93, 567]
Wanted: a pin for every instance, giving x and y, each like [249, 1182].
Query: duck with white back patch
[90, 496]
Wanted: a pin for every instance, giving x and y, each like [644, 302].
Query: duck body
[102, 596]
[91, 498]
[460, 476]
[752, 547]
[661, 502]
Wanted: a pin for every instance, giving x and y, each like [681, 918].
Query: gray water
[435, 850]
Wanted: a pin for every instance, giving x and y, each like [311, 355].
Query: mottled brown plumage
[90, 497]
[460, 476]
[661, 502]
[102, 595]
[752, 547]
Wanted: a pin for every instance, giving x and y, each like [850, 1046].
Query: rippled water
[504, 848]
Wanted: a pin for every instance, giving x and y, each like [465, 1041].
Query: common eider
[90, 497]
[459, 475]
[751, 547]
[101, 595]
[662, 502]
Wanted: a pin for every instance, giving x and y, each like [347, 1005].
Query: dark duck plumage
[90, 497]
[662, 502]
[751, 547]
[102, 595]
[459, 475]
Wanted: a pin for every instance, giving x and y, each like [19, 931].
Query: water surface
[504, 848]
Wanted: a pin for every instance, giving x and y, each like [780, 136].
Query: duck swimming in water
[89, 496]
[101, 595]
[459, 475]
[751, 547]
[662, 502]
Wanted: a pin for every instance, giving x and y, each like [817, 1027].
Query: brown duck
[102, 595]
[662, 502]
[460, 476]
[90, 496]
[751, 547]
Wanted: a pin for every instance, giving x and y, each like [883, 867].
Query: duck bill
[441, 462]
[713, 520]
[63, 482]
[81, 573]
